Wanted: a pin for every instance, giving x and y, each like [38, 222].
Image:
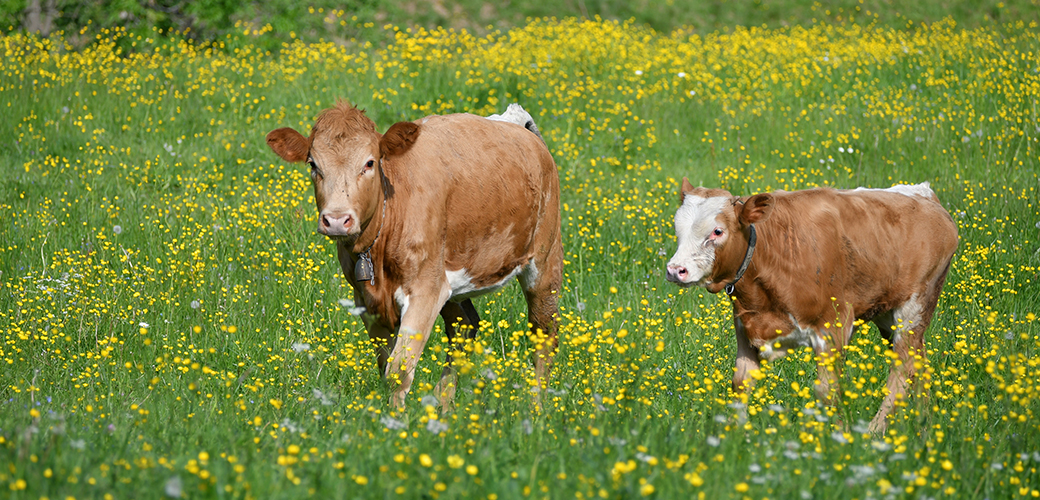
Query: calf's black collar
[747, 260]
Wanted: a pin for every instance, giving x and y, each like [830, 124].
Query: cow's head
[345, 155]
[710, 227]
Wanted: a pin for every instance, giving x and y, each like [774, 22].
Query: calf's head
[710, 228]
[345, 155]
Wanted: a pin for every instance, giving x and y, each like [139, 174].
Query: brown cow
[430, 214]
[801, 266]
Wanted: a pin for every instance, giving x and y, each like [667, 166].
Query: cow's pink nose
[677, 273]
[332, 225]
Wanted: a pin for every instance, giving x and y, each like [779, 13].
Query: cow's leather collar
[747, 260]
[364, 270]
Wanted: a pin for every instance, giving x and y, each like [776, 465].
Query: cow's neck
[373, 230]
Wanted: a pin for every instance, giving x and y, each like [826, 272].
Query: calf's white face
[699, 229]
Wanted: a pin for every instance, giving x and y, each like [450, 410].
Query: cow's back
[496, 185]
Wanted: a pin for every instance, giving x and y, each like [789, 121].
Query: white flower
[321, 396]
[144, 325]
[352, 309]
[436, 426]
[301, 346]
[639, 72]
[681, 75]
[392, 423]
[173, 488]
[713, 441]
[117, 229]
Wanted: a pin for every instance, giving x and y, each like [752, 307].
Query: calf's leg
[830, 355]
[904, 328]
[748, 359]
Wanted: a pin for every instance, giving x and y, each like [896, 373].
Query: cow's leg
[541, 289]
[904, 328]
[465, 315]
[748, 359]
[419, 310]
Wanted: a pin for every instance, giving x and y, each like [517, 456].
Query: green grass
[172, 323]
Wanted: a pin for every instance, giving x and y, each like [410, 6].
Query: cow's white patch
[907, 316]
[462, 286]
[529, 275]
[402, 300]
[800, 336]
[923, 190]
[694, 222]
[514, 113]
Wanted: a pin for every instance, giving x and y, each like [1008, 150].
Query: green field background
[173, 325]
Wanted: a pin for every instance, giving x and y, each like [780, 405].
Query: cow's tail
[516, 113]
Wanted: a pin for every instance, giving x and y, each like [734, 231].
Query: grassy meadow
[173, 325]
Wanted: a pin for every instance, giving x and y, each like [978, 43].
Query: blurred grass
[352, 22]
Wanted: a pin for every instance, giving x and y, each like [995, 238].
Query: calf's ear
[685, 190]
[398, 138]
[289, 144]
[757, 208]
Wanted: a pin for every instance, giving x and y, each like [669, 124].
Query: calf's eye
[370, 164]
[717, 231]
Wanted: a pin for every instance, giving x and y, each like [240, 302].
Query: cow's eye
[314, 167]
[717, 231]
[369, 165]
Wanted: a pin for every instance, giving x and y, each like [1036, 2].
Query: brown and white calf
[801, 266]
[432, 213]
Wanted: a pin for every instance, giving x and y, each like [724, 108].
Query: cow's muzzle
[334, 225]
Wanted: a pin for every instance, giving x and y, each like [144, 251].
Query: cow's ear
[685, 190]
[757, 208]
[289, 144]
[398, 138]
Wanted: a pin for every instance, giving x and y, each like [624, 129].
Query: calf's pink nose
[677, 273]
